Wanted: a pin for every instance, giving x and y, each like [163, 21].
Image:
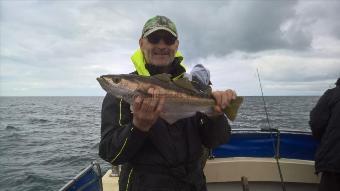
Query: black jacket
[325, 125]
[167, 156]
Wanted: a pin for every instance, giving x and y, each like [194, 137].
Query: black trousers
[330, 181]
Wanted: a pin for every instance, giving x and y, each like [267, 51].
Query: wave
[11, 128]
[38, 121]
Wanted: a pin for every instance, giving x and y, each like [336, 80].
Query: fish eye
[116, 80]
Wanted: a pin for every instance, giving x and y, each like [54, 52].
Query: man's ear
[140, 42]
[177, 43]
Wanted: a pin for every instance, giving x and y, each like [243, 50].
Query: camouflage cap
[159, 23]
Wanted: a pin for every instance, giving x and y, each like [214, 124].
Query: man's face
[159, 48]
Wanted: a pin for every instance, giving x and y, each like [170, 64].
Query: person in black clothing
[325, 125]
[156, 155]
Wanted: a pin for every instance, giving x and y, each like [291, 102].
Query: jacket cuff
[215, 118]
[138, 135]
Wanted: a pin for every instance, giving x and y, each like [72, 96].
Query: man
[154, 154]
[325, 125]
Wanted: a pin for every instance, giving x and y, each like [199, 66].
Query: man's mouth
[161, 53]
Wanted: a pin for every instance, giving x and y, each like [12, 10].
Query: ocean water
[45, 141]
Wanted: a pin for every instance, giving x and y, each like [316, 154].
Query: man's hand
[223, 99]
[146, 110]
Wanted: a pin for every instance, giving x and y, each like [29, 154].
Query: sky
[58, 48]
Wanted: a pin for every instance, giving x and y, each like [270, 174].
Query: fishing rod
[270, 129]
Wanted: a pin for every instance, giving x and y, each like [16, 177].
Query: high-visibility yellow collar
[139, 63]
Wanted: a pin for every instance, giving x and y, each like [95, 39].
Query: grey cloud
[249, 26]
[36, 33]
[300, 76]
[292, 69]
[77, 40]
[214, 27]
[206, 28]
[325, 14]
[219, 28]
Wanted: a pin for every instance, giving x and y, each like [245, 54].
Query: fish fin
[184, 83]
[139, 92]
[173, 117]
[232, 109]
[131, 108]
[170, 120]
[163, 77]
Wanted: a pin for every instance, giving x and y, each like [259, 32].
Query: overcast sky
[59, 48]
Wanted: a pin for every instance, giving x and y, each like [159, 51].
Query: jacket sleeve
[320, 115]
[120, 141]
[214, 131]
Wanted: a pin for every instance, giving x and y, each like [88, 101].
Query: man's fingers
[218, 98]
[153, 102]
[137, 103]
[234, 94]
[150, 103]
[160, 105]
[151, 91]
[149, 109]
[225, 100]
[228, 96]
[155, 99]
[218, 108]
[146, 106]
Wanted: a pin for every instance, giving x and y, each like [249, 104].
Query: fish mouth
[104, 81]
[112, 85]
[109, 80]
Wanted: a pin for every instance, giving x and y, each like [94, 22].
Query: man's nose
[161, 44]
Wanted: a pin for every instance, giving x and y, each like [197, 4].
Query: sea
[46, 141]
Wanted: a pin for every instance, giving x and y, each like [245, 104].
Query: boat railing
[266, 130]
[115, 170]
[267, 142]
[88, 179]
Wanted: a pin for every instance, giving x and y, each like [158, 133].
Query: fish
[181, 99]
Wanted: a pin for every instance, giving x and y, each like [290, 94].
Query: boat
[88, 179]
[256, 160]
[264, 159]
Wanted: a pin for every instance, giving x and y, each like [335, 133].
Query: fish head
[118, 85]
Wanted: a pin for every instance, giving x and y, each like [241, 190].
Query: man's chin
[161, 62]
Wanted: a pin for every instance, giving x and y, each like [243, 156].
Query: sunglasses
[154, 38]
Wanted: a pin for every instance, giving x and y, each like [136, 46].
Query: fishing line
[270, 129]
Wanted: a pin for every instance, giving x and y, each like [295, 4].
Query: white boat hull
[262, 175]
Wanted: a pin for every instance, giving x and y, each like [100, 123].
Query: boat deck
[261, 173]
